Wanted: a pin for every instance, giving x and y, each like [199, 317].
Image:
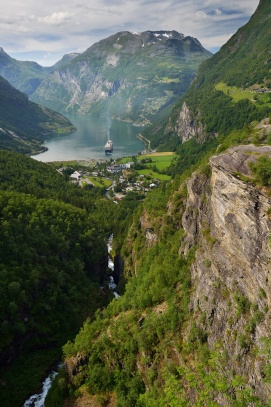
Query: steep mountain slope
[24, 124]
[192, 327]
[65, 60]
[231, 89]
[127, 76]
[23, 75]
[26, 76]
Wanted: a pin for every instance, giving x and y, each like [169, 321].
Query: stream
[111, 284]
[37, 400]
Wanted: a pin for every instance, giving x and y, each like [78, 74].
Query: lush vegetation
[134, 329]
[223, 97]
[53, 258]
[144, 347]
[23, 75]
[23, 124]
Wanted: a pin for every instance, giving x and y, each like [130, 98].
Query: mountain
[128, 76]
[26, 76]
[65, 60]
[23, 75]
[24, 124]
[231, 89]
[191, 327]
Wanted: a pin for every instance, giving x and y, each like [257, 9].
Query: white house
[76, 176]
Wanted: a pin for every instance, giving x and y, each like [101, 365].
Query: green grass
[259, 99]
[152, 174]
[160, 160]
[235, 93]
[98, 182]
[125, 160]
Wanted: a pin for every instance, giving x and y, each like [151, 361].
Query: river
[88, 141]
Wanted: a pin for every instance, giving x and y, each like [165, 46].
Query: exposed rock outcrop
[186, 127]
[228, 219]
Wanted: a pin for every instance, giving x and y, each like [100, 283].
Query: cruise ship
[108, 148]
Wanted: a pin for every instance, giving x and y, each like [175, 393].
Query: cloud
[58, 18]
[218, 12]
[53, 28]
[200, 15]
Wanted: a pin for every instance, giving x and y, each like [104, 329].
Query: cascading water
[37, 400]
[111, 284]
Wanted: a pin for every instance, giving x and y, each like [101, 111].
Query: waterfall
[111, 284]
[37, 400]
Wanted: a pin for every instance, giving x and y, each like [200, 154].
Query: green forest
[53, 259]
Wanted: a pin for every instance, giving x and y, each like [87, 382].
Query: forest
[53, 259]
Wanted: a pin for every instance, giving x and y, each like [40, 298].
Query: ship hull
[108, 148]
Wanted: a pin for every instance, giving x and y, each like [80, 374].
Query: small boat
[108, 148]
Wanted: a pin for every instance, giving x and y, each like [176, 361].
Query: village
[119, 177]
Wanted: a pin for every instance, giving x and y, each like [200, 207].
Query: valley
[188, 226]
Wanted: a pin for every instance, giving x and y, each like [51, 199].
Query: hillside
[126, 76]
[53, 265]
[192, 327]
[53, 257]
[24, 124]
[232, 88]
[23, 75]
[26, 76]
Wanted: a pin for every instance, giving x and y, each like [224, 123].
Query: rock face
[186, 127]
[228, 219]
[130, 76]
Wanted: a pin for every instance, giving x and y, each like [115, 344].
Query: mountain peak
[2, 51]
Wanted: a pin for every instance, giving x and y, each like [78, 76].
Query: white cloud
[200, 15]
[38, 27]
[58, 18]
[218, 12]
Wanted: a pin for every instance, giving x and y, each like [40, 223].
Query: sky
[45, 30]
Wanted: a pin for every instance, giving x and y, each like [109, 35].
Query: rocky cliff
[199, 341]
[228, 218]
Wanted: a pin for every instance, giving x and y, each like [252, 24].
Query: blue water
[89, 140]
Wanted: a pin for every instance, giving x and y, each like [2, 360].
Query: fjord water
[88, 141]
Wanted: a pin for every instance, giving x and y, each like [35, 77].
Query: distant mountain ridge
[130, 76]
[26, 76]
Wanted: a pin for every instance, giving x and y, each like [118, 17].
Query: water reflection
[89, 140]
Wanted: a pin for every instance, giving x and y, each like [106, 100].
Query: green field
[237, 94]
[160, 160]
[125, 160]
[153, 174]
[98, 182]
